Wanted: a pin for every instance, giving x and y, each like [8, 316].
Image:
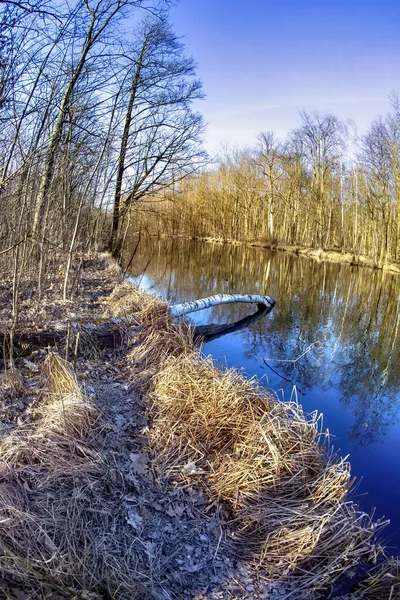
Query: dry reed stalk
[60, 378]
[127, 300]
[157, 336]
[270, 464]
[382, 584]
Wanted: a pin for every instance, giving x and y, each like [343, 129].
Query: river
[332, 340]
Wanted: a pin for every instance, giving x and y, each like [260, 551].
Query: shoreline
[334, 256]
[175, 448]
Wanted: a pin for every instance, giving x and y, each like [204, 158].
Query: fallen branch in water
[282, 377]
[109, 334]
[185, 308]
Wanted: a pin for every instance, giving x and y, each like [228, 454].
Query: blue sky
[262, 60]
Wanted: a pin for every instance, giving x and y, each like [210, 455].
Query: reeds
[157, 334]
[383, 583]
[127, 300]
[286, 490]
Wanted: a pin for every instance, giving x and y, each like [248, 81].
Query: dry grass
[158, 335]
[63, 411]
[126, 300]
[287, 492]
[383, 583]
[59, 509]
[272, 467]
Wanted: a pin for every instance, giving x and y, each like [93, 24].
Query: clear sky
[262, 60]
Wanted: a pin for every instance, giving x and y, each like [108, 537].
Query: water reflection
[209, 333]
[333, 326]
[333, 334]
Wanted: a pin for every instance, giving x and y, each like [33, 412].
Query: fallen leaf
[139, 463]
[134, 519]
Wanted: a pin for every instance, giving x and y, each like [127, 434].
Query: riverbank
[336, 256]
[150, 473]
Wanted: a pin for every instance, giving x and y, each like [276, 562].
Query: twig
[282, 377]
[218, 545]
[67, 342]
[294, 360]
[76, 349]
[15, 245]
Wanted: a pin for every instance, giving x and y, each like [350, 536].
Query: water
[333, 338]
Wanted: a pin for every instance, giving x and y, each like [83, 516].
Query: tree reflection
[334, 326]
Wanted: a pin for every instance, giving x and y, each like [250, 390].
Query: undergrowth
[59, 509]
[288, 493]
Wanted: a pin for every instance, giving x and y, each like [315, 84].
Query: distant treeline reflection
[334, 326]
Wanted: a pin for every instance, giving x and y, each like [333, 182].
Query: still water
[332, 339]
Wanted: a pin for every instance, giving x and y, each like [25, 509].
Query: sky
[261, 61]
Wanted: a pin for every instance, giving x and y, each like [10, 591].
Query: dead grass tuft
[158, 335]
[60, 509]
[63, 411]
[286, 491]
[127, 300]
[60, 378]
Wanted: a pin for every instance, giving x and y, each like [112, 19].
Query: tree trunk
[91, 38]
[106, 335]
[122, 153]
[178, 310]
[55, 136]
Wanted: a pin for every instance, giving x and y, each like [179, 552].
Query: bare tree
[161, 134]
[271, 165]
[318, 138]
[96, 21]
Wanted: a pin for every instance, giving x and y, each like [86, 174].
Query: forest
[95, 102]
[99, 140]
[324, 187]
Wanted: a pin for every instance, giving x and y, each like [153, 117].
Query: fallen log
[106, 335]
[109, 334]
[208, 333]
[178, 310]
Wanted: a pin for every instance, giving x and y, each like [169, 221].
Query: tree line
[324, 187]
[95, 112]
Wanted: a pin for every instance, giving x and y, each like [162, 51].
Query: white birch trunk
[178, 310]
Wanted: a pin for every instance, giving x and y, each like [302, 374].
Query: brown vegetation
[60, 511]
[323, 189]
[267, 462]
[273, 499]
[271, 466]
[383, 583]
